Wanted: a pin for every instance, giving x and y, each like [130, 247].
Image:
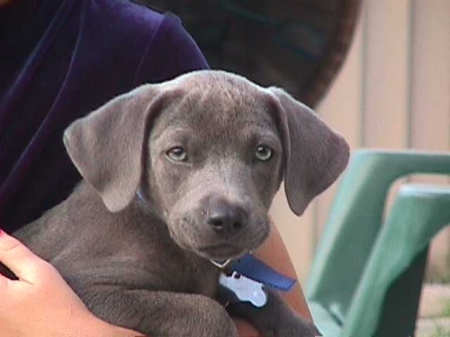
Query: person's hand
[40, 303]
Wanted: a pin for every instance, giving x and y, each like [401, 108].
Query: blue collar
[255, 269]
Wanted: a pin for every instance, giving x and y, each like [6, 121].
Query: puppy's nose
[226, 219]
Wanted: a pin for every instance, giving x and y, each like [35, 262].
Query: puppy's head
[208, 152]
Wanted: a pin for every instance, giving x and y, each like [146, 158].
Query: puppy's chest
[195, 279]
[162, 265]
[186, 274]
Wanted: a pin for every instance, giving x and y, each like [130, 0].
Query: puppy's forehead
[221, 102]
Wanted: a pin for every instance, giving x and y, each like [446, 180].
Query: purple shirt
[59, 60]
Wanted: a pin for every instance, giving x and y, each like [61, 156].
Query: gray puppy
[175, 175]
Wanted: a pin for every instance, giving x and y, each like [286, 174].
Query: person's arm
[274, 253]
[40, 303]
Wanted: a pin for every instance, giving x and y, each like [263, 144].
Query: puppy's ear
[315, 155]
[107, 145]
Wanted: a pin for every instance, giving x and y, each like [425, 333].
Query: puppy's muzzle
[225, 218]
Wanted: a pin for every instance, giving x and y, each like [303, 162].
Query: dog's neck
[147, 204]
[140, 196]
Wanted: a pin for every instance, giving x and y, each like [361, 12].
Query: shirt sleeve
[171, 52]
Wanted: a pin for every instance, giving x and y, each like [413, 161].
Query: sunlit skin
[273, 252]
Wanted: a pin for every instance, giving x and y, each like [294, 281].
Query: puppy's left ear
[315, 155]
[108, 145]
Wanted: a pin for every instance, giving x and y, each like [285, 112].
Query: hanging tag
[245, 289]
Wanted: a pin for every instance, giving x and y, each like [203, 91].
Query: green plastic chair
[354, 287]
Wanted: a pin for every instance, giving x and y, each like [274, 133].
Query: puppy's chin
[217, 252]
[187, 234]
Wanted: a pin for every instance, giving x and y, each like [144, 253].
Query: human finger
[18, 258]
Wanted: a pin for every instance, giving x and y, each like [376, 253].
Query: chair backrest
[355, 220]
[386, 301]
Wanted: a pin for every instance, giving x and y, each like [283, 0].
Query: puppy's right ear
[315, 155]
[107, 145]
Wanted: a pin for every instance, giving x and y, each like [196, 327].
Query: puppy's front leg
[158, 313]
[275, 318]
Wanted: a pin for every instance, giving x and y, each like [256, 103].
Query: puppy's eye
[177, 153]
[263, 153]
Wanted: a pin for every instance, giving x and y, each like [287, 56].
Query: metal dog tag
[245, 289]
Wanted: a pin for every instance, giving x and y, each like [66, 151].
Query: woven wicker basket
[298, 45]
